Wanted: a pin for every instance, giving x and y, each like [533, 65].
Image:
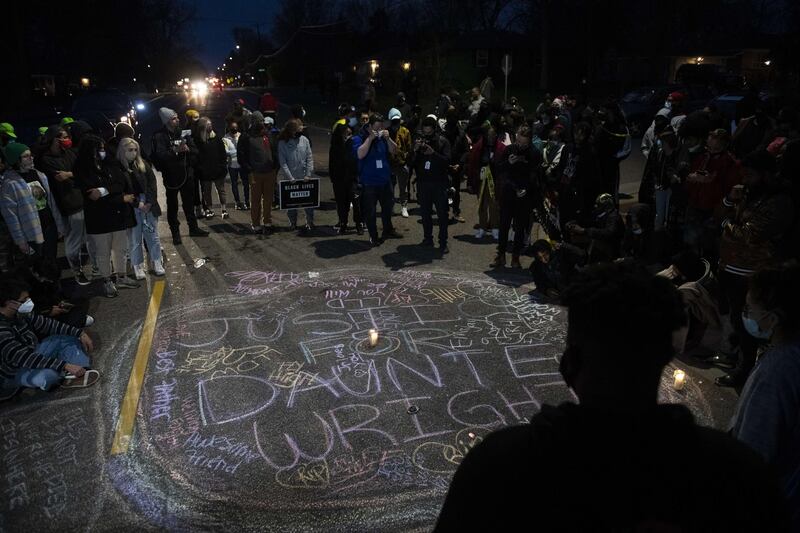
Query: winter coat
[723, 173]
[753, 231]
[18, 209]
[296, 158]
[402, 139]
[255, 152]
[432, 168]
[230, 149]
[144, 183]
[108, 213]
[212, 161]
[175, 167]
[67, 195]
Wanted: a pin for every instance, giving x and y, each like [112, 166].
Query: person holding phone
[108, 201]
[174, 155]
[372, 147]
[430, 158]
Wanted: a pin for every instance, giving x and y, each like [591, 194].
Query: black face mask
[298, 134]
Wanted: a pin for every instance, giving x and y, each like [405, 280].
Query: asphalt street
[260, 402]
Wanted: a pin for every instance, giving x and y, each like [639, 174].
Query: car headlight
[140, 106]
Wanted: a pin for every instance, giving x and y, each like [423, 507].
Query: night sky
[216, 18]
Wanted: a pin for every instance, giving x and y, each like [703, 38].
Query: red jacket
[724, 171]
[474, 162]
[268, 103]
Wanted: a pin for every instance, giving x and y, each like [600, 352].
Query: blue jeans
[371, 195]
[146, 228]
[63, 347]
[292, 214]
[662, 207]
[236, 175]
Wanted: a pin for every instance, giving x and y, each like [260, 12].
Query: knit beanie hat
[166, 114]
[192, 114]
[14, 151]
[123, 129]
[257, 117]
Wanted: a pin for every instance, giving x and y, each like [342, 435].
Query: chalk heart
[444, 457]
[225, 399]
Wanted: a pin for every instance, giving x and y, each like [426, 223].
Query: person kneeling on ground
[36, 351]
[609, 463]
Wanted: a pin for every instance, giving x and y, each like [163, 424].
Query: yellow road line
[127, 415]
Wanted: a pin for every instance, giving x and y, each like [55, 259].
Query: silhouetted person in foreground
[619, 461]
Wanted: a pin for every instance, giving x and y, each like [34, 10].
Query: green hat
[8, 129]
[42, 130]
[67, 120]
[14, 151]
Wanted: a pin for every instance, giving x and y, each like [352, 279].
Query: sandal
[88, 379]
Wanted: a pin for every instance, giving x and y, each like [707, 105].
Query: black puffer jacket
[108, 213]
[212, 161]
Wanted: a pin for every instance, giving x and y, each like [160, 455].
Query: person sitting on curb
[36, 351]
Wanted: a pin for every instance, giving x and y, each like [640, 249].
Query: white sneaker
[89, 321]
[158, 267]
[496, 234]
[480, 233]
[138, 271]
[404, 212]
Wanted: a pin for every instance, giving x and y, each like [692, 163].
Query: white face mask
[26, 307]
[102, 155]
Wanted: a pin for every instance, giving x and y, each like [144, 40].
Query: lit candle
[680, 379]
[373, 337]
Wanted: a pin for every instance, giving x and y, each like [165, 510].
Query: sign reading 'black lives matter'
[296, 194]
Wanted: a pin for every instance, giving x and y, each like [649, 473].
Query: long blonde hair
[124, 144]
[202, 128]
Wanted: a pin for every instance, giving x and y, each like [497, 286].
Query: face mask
[65, 143]
[352, 122]
[637, 231]
[234, 132]
[668, 104]
[297, 135]
[102, 155]
[26, 307]
[752, 327]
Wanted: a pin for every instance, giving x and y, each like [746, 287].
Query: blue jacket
[374, 168]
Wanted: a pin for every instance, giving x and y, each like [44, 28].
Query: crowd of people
[715, 218]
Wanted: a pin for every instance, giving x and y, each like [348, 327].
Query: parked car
[730, 105]
[641, 105]
[102, 108]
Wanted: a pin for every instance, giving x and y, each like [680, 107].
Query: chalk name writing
[164, 396]
[291, 374]
[180, 426]
[16, 492]
[226, 360]
[34, 453]
[230, 446]
[257, 283]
